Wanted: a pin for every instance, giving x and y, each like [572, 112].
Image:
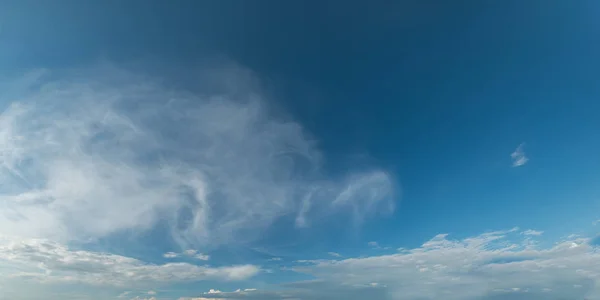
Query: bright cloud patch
[88, 155]
[50, 262]
[496, 265]
[102, 151]
[488, 265]
[187, 253]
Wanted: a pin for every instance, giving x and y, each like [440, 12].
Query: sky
[306, 150]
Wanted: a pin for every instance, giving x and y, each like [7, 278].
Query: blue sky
[299, 150]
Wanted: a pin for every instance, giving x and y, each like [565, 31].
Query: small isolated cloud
[188, 253]
[373, 244]
[518, 156]
[335, 254]
[195, 254]
[532, 232]
[124, 294]
[201, 256]
[151, 293]
[275, 259]
[170, 255]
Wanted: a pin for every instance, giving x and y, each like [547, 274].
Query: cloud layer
[495, 265]
[89, 153]
[45, 261]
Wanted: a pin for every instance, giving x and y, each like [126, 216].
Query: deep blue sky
[438, 93]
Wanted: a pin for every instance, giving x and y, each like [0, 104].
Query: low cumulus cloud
[44, 261]
[495, 265]
[89, 153]
[490, 265]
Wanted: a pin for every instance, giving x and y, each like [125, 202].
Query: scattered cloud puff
[518, 156]
[335, 254]
[151, 293]
[45, 261]
[93, 152]
[373, 244]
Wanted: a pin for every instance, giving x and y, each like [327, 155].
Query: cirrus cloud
[89, 153]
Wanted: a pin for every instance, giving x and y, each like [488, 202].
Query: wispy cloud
[83, 157]
[187, 253]
[532, 232]
[518, 156]
[334, 254]
[171, 255]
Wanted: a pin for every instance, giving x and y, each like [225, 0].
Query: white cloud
[151, 293]
[308, 290]
[50, 262]
[334, 254]
[373, 244]
[532, 232]
[195, 254]
[124, 294]
[275, 259]
[490, 266]
[201, 256]
[101, 151]
[189, 253]
[472, 268]
[518, 156]
[171, 255]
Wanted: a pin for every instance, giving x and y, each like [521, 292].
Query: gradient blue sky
[299, 149]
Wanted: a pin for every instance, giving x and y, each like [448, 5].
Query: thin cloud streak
[334, 254]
